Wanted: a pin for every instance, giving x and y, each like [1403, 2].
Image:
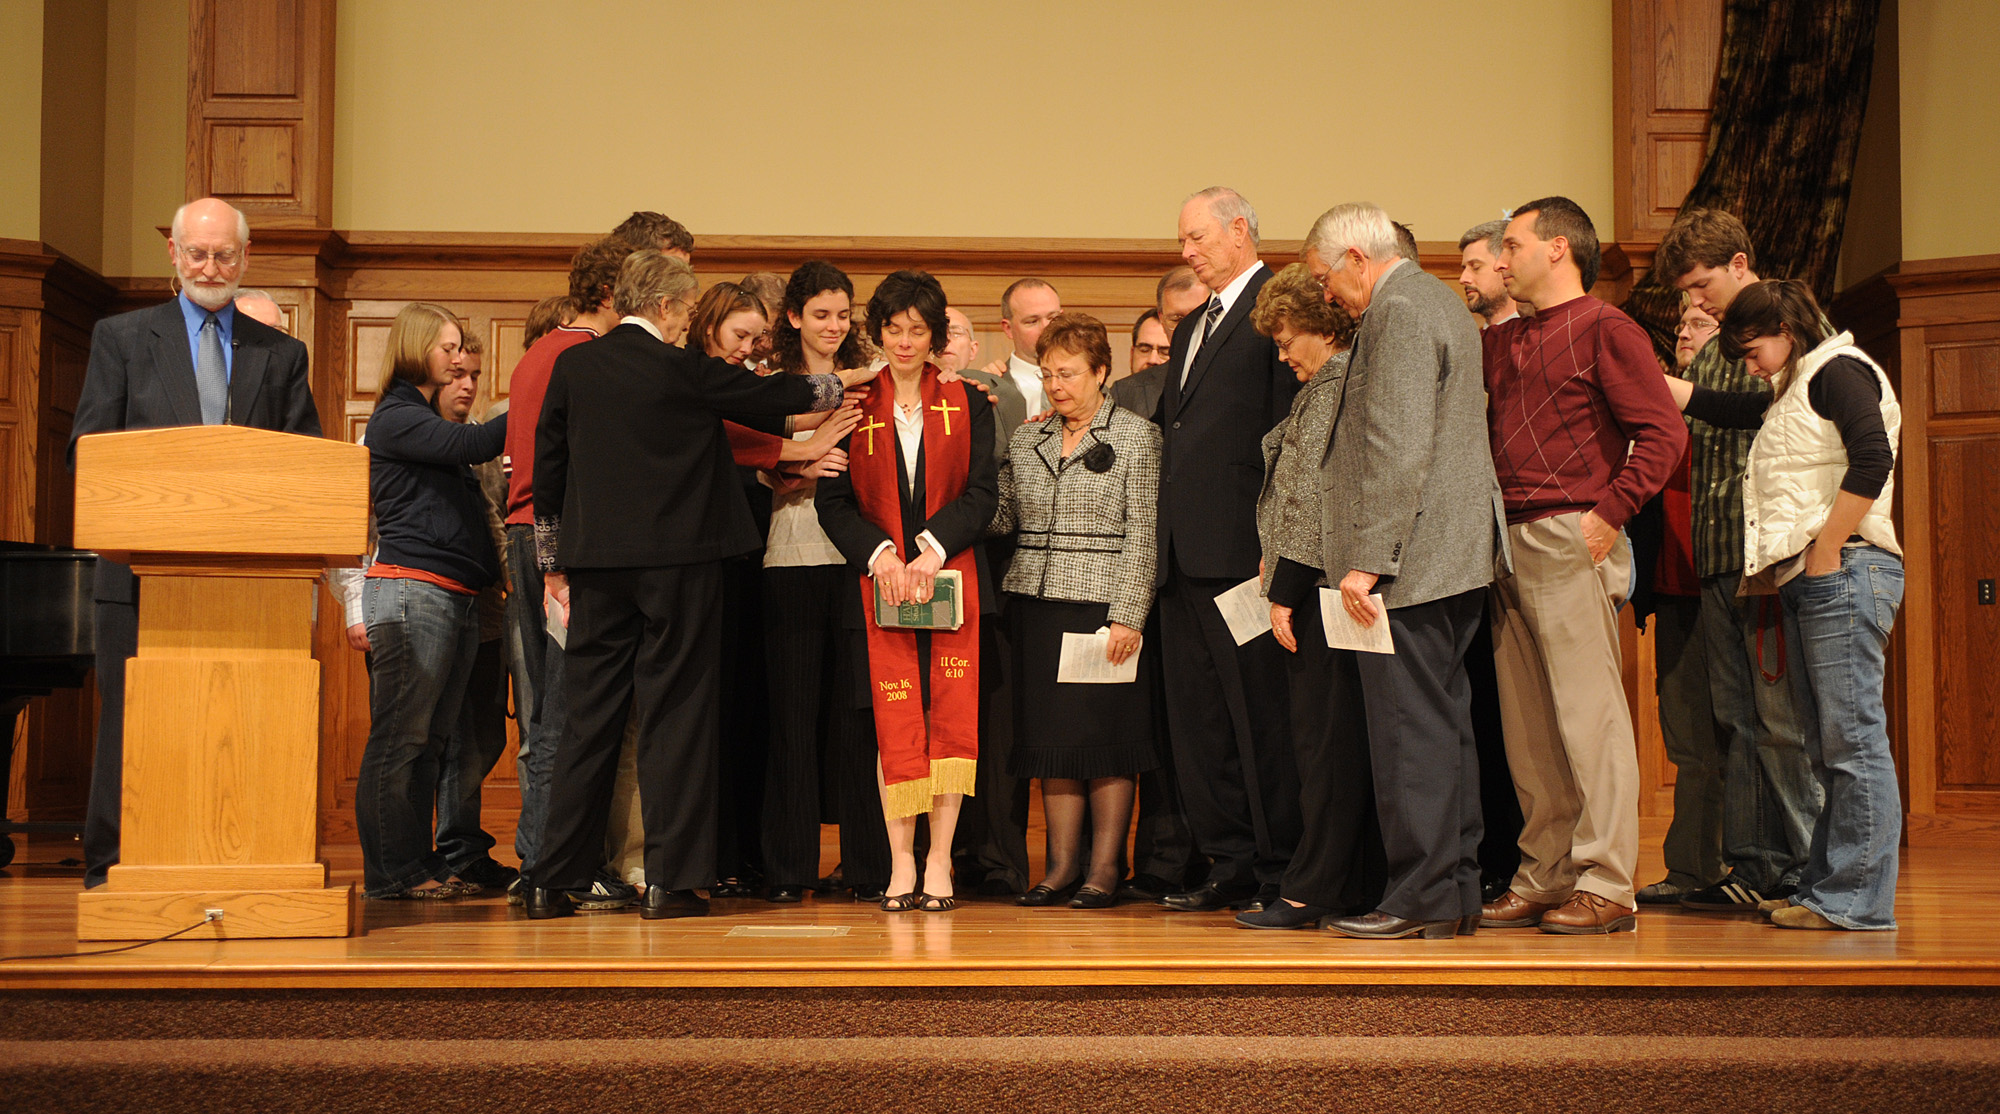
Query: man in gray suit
[192, 361]
[1412, 513]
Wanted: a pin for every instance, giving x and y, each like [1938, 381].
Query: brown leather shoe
[1586, 914]
[1512, 911]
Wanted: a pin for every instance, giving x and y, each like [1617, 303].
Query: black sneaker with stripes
[1733, 895]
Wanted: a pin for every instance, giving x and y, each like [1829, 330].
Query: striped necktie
[1208, 321]
[211, 374]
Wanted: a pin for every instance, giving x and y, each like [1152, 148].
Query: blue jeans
[470, 755]
[540, 710]
[422, 640]
[1769, 796]
[1840, 623]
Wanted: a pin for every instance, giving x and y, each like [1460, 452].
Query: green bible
[946, 611]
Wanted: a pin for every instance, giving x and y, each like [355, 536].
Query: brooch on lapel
[1100, 457]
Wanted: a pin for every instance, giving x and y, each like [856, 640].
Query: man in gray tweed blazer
[1412, 512]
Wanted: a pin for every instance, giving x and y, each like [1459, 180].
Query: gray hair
[1492, 232]
[1360, 225]
[1225, 205]
[242, 222]
[648, 277]
[264, 294]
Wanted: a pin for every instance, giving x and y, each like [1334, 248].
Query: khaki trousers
[1563, 710]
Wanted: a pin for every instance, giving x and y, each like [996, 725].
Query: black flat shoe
[545, 905]
[1381, 926]
[1090, 897]
[1282, 914]
[1143, 887]
[1044, 895]
[732, 887]
[1209, 898]
[663, 904]
[785, 895]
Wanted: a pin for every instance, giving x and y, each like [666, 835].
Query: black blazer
[1211, 455]
[141, 377]
[957, 525]
[631, 459]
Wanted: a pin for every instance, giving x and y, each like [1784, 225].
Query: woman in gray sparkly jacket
[1338, 865]
[1080, 491]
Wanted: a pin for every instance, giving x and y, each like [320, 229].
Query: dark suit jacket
[142, 377]
[1211, 455]
[631, 458]
[1140, 391]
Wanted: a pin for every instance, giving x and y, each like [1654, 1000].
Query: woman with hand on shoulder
[917, 495]
[1080, 490]
[1339, 866]
[419, 597]
[814, 671]
[1816, 503]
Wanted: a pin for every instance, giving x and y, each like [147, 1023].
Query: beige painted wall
[145, 131]
[73, 64]
[20, 119]
[1025, 118]
[1950, 127]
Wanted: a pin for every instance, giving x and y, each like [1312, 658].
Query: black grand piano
[45, 644]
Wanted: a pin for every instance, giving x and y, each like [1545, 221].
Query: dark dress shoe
[1264, 898]
[869, 894]
[732, 887]
[1512, 911]
[1468, 925]
[1209, 898]
[545, 905]
[1144, 887]
[1043, 895]
[1491, 889]
[1089, 897]
[785, 895]
[1382, 926]
[1282, 914]
[834, 880]
[662, 903]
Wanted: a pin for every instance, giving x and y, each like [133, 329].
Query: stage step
[1087, 1049]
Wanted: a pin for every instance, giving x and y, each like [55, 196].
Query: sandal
[899, 903]
[932, 903]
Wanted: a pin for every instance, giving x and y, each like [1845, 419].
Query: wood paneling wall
[1664, 59]
[1935, 327]
[48, 305]
[260, 108]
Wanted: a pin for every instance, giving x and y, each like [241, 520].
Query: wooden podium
[228, 529]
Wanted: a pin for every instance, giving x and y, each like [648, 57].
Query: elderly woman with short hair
[1338, 866]
[1080, 489]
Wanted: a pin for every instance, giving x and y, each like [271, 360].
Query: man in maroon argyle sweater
[1583, 433]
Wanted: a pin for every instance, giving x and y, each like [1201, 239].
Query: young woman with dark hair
[920, 490]
[1816, 501]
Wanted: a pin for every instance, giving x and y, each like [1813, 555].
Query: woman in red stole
[920, 488]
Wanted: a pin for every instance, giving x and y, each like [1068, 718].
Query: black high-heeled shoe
[1045, 895]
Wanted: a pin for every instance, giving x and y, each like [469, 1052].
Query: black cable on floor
[110, 951]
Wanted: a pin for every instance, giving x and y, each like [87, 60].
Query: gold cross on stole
[945, 407]
[869, 427]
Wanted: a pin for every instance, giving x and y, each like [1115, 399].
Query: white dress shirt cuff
[925, 540]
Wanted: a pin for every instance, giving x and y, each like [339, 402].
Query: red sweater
[1568, 392]
[524, 400]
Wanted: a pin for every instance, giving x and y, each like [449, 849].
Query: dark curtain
[1789, 95]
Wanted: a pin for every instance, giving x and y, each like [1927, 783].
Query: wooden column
[1664, 56]
[260, 108]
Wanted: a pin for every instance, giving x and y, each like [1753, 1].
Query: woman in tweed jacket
[1080, 490]
[1338, 866]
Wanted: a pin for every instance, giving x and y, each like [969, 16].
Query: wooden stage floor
[1944, 941]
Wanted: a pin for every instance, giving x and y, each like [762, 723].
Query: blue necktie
[211, 374]
[1208, 321]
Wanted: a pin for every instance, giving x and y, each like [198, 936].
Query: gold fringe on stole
[913, 797]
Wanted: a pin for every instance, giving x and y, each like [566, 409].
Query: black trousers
[746, 728]
[644, 642]
[1340, 863]
[802, 644]
[1162, 846]
[1500, 847]
[1417, 716]
[992, 833]
[853, 755]
[116, 629]
[1228, 717]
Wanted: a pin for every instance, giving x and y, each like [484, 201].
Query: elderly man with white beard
[191, 361]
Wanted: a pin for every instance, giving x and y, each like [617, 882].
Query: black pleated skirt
[1070, 730]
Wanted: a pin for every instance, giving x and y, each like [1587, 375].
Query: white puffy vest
[1796, 465]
